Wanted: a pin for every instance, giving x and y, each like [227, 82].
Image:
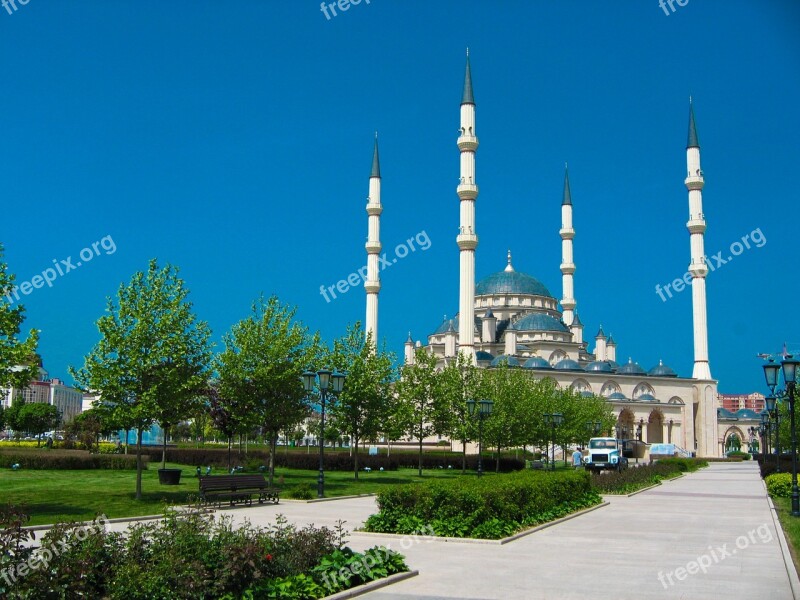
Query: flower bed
[185, 556]
[487, 508]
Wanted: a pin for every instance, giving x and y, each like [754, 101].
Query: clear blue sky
[234, 140]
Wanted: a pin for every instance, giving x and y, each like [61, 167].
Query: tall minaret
[374, 209]
[567, 266]
[467, 238]
[698, 268]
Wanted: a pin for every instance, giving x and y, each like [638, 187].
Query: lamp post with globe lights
[789, 367]
[327, 382]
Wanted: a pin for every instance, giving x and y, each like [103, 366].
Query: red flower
[268, 557]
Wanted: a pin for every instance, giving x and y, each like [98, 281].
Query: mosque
[511, 317]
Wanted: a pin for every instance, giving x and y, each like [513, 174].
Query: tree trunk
[463, 456]
[139, 463]
[497, 461]
[420, 452]
[230, 445]
[127, 435]
[165, 429]
[273, 441]
[355, 456]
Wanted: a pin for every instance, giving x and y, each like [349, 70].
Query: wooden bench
[237, 488]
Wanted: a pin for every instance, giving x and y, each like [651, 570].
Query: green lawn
[791, 527]
[59, 495]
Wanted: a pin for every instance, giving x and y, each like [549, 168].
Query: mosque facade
[511, 318]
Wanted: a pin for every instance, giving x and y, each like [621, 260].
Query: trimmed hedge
[334, 461]
[685, 465]
[767, 464]
[487, 507]
[66, 459]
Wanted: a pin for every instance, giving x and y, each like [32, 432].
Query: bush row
[334, 461]
[767, 464]
[636, 478]
[185, 556]
[65, 459]
[487, 507]
[779, 485]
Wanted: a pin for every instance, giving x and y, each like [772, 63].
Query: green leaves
[14, 352]
[151, 361]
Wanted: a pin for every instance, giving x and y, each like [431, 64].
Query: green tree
[421, 407]
[460, 380]
[14, 352]
[152, 356]
[264, 357]
[509, 390]
[36, 418]
[362, 408]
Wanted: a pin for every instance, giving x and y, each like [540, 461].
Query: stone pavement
[650, 545]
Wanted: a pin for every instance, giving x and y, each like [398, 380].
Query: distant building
[44, 390]
[734, 402]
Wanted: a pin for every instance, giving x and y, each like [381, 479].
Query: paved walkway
[650, 545]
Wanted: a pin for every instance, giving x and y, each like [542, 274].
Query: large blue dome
[510, 282]
[539, 322]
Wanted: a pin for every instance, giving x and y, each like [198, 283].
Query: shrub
[302, 491]
[684, 464]
[334, 461]
[66, 459]
[636, 478]
[779, 485]
[187, 555]
[738, 454]
[479, 507]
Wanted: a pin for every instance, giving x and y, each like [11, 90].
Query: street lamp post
[329, 383]
[593, 427]
[483, 408]
[772, 410]
[553, 420]
[789, 366]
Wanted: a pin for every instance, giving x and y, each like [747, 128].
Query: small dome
[617, 396]
[536, 362]
[724, 413]
[646, 398]
[631, 368]
[586, 394]
[505, 359]
[510, 282]
[481, 355]
[567, 364]
[662, 370]
[746, 413]
[614, 365]
[445, 326]
[539, 322]
[599, 366]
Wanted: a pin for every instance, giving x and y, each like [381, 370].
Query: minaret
[467, 238]
[567, 266]
[577, 329]
[373, 283]
[698, 268]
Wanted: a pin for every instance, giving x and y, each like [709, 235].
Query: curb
[500, 542]
[372, 586]
[788, 563]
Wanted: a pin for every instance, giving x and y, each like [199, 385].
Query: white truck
[605, 453]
